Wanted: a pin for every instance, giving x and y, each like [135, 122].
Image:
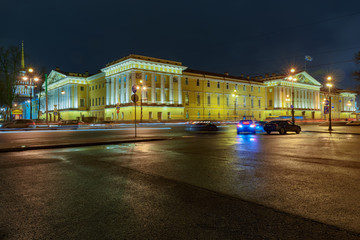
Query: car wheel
[297, 131]
[268, 132]
[282, 131]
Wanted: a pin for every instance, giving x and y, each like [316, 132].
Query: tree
[357, 61]
[10, 60]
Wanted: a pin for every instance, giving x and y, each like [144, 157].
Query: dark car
[281, 126]
[20, 123]
[246, 126]
[70, 122]
[202, 126]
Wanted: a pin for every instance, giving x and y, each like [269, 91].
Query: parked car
[281, 126]
[70, 122]
[20, 123]
[246, 126]
[202, 126]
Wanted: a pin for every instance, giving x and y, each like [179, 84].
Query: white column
[171, 89]
[162, 88]
[107, 84]
[280, 96]
[117, 89]
[76, 105]
[127, 96]
[275, 97]
[122, 89]
[153, 88]
[113, 90]
[318, 99]
[179, 90]
[143, 92]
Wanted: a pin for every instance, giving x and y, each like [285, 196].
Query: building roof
[140, 57]
[223, 75]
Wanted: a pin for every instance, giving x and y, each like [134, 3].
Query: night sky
[239, 37]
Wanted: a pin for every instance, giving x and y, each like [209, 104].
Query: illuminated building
[171, 91]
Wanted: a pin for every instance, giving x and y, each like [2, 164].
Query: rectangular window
[82, 102]
[197, 82]
[270, 103]
[209, 99]
[103, 101]
[92, 102]
[252, 88]
[227, 86]
[208, 83]
[169, 115]
[186, 81]
[92, 87]
[218, 85]
[259, 103]
[96, 103]
[244, 88]
[81, 88]
[252, 102]
[259, 89]
[96, 87]
[236, 87]
[198, 99]
[227, 100]
[244, 102]
[187, 98]
[218, 100]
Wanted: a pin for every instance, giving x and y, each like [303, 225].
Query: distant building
[170, 91]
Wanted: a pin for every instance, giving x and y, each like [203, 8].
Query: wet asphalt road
[195, 186]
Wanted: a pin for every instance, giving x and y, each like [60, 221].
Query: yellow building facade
[169, 91]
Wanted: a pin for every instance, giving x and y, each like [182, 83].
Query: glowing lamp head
[137, 87]
[329, 78]
[141, 81]
[31, 70]
[144, 88]
[25, 78]
[36, 79]
[292, 70]
[329, 85]
[233, 95]
[294, 79]
[62, 92]
[290, 78]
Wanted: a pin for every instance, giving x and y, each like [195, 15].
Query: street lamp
[292, 79]
[329, 85]
[141, 87]
[31, 79]
[235, 95]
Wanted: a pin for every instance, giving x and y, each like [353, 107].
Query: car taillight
[252, 125]
[239, 125]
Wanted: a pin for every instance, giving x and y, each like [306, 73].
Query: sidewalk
[355, 130]
[79, 143]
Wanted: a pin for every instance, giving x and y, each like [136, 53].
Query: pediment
[55, 76]
[306, 78]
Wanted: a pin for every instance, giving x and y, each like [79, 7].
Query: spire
[22, 56]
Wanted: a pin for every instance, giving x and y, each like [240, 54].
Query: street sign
[292, 106]
[326, 102]
[326, 109]
[134, 98]
[134, 89]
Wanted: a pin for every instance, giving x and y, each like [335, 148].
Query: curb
[19, 149]
[332, 132]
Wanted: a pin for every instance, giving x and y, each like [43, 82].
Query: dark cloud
[249, 37]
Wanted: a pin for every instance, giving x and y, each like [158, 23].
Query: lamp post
[329, 85]
[292, 79]
[31, 79]
[141, 87]
[235, 95]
